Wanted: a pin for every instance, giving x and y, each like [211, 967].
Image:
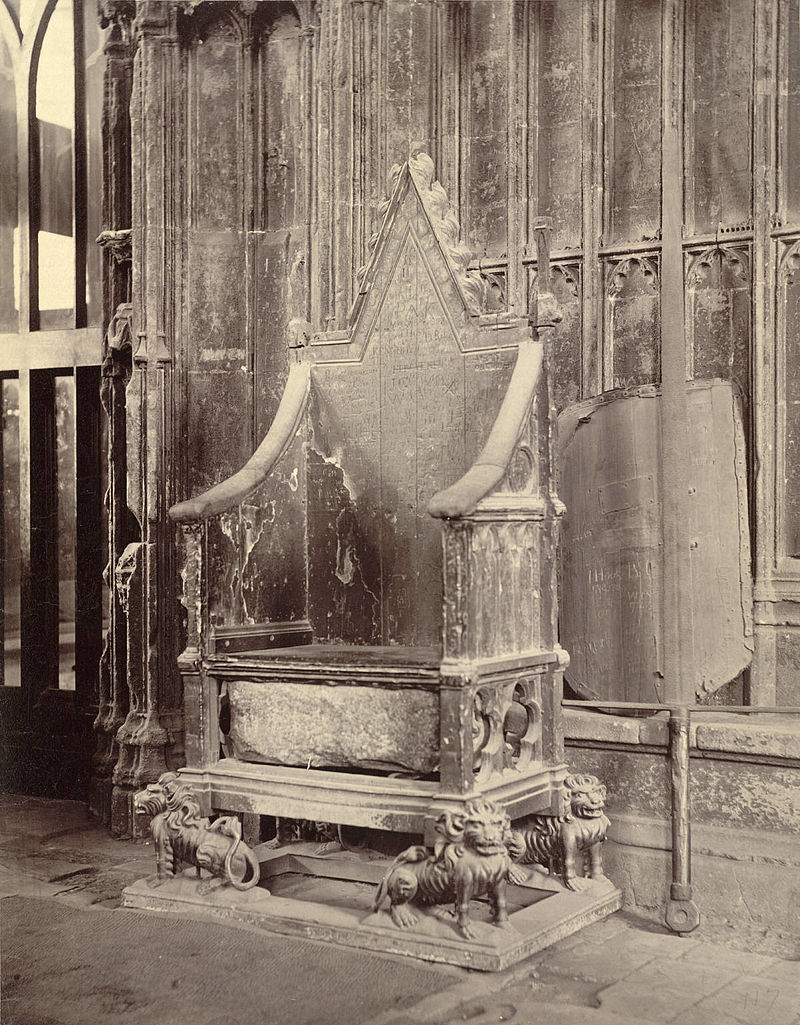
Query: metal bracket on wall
[682, 914]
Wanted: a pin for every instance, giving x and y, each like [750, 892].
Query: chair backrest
[400, 407]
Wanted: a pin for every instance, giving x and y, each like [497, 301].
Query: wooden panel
[556, 121]
[272, 560]
[410, 46]
[9, 533]
[215, 111]
[279, 89]
[632, 341]
[219, 389]
[400, 424]
[270, 528]
[633, 98]
[89, 547]
[485, 195]
[8, 195]
[719, 313]
[611, 612]
[789, 110]
[39, 529]
[719, 72]
[566, 358]
[788, 427]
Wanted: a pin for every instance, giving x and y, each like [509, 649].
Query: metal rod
[652, 706]
[682, 914]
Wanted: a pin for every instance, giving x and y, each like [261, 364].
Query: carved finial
[544, 308]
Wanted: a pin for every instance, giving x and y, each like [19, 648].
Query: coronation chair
[427, 670]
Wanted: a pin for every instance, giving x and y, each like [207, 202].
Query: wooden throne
[419, 444]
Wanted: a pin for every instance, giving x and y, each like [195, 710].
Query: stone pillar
[116, 372]
[151, 737]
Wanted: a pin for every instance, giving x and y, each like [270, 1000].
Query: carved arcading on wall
[619, 274]
[737, 258]
[475, 286]
[789, 263]
[570, 274]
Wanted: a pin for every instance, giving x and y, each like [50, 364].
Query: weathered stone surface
[746, 1001]
[762, 735]
[638, 783]
[659, 991]
[318, 726]
[580, 725]
[755, 893]
[787, 667]
[747, 794]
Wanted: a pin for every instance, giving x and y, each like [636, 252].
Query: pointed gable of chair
[418, 224]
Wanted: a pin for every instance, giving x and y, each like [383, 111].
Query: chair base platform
[329, 898]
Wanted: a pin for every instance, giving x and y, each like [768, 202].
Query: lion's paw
[329, 847]
[577, 883]
[209, 885]
[403, 916]
[517, 876]
[155, 881]
[467, 931]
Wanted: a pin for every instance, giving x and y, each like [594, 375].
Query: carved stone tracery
[618, 275]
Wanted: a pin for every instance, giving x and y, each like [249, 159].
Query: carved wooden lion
[471, 860]
[181, 835]
[557, 841]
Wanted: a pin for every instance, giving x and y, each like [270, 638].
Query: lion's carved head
[167, 794]
[482, 827]
[587, 796]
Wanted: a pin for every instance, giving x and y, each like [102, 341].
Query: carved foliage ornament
[118, 243]
[619, 273]
[790, 262]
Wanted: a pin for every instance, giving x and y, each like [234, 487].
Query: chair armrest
[235, 489]
[461, 498]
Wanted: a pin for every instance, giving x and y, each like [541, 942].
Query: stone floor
[626, 970]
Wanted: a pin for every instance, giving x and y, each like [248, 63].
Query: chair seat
[392, 667]
[350, 655]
